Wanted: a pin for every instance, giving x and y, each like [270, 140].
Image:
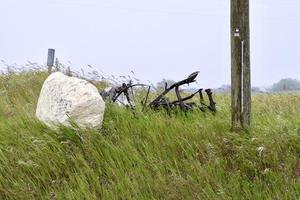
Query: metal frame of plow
[161, 101]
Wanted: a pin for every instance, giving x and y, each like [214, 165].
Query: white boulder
[64, 99]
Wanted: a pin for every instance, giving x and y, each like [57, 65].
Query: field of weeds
[148, 156]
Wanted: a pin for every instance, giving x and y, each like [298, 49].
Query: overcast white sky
[155, 38]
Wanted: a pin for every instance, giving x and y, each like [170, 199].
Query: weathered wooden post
[240, 64]
[50, 59]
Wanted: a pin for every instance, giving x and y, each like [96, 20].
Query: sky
[154, 38]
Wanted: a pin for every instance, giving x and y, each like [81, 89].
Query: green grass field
[149, 156]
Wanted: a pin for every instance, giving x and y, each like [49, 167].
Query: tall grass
[148, 156]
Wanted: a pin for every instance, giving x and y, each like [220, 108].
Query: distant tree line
[287, 84]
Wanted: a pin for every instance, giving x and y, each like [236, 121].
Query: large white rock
[64, 99]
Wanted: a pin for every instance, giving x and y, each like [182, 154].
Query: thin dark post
[240, 64]
[50, 59]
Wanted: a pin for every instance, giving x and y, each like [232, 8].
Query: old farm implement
[126, 95]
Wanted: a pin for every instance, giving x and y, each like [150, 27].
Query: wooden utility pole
[50, 59]
[240, 64]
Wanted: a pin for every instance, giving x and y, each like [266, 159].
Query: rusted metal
[161, 101]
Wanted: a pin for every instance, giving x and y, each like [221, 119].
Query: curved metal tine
[186, 98]
[202, 105]
[128, 99]
[145, 103]
[212, 104]
[180, 99]
[201, 96]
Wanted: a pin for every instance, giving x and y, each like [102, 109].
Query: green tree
[286, 84]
